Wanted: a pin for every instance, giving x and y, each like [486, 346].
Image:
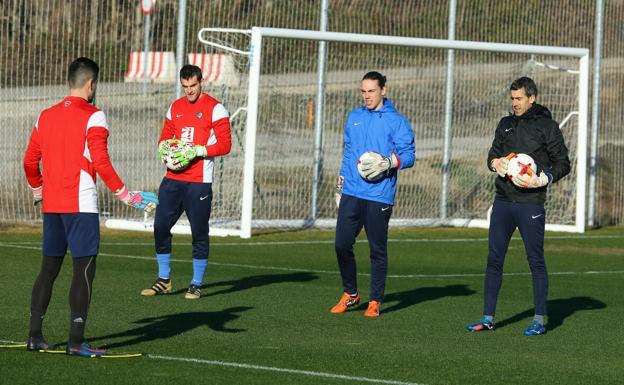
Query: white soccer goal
[267, 181]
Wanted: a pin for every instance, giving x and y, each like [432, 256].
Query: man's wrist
[491, 165]
[395, 161]
[200, 150]
[122, 193]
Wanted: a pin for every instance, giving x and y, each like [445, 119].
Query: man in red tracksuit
[69, 141]
[201, 122]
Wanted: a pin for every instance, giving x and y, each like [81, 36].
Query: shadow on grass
[167, 326]
[558, 311]
[422, 294]
[252, 282]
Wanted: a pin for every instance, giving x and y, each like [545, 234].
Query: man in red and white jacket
[199, 120]
[69, 141]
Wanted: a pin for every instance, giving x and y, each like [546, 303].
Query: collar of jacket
[536, 111]
[386, 107]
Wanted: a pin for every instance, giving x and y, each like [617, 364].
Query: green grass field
[264, 319]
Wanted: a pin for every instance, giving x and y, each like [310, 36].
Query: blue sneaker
[535, 329]
[484, 324]
[86, 350]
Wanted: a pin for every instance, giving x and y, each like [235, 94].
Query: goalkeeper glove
[531, 179]
[186, 153]
[338, 193]
[372, 169]
[501, 164]
[37, 194]
[163, 149]
[143, 200]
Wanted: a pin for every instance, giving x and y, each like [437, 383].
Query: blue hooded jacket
[384, 131]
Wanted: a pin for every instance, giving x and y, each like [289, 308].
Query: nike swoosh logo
[356, 124]
[508, 129]
[177, 116]
[202, 198]
[385, 208]
[536, 216]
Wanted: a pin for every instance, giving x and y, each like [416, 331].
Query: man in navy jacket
[519, 201]
[367, 193]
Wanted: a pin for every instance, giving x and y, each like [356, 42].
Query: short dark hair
[82, 70]
[374, 75]
[189, 71]
[530, 89]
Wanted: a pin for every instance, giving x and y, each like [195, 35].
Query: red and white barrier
[160, 67]
[216, 69]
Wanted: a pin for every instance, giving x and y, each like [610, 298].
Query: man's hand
[501, 164]
[371, 169]
[530, 179]
[143, 200]
[187, 152]
[163, 149]
[338, 193]
[37, 194]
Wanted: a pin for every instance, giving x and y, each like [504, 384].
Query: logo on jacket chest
[199, 115]
[187, 134]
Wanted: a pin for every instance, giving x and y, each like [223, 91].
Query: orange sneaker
[373, 309]
[346, 301]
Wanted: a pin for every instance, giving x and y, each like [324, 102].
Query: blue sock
[163, 265]
[199, 268]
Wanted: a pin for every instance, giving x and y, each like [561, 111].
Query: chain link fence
[38, 39]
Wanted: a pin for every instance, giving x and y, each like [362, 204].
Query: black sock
[80, 297]
[42, 292]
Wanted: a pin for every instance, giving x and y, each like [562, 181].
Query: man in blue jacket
[366, 194]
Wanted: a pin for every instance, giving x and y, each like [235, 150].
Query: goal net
[268, 179]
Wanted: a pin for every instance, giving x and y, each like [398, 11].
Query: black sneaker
[38, 344]
[193, 292]
[161, 286]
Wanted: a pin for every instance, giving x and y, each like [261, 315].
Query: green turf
[263, 317]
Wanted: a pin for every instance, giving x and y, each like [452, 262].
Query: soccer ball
[369, 157]
[173, 162]
[520, 164]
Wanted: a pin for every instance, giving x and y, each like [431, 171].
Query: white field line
[265, 368]
[283, 370]
[331, 241]
[332, 272]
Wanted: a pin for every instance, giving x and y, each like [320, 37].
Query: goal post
[259, 34]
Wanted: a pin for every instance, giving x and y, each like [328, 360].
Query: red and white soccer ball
[172, 163]
[369, 156]
[520, 164]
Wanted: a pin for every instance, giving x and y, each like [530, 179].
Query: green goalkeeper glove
[184, 154]
[163, 148]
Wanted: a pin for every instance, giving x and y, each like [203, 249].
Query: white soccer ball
[172, 162]
[520, 164]
[369, 157]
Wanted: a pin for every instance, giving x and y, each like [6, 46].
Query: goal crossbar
[255, 55]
